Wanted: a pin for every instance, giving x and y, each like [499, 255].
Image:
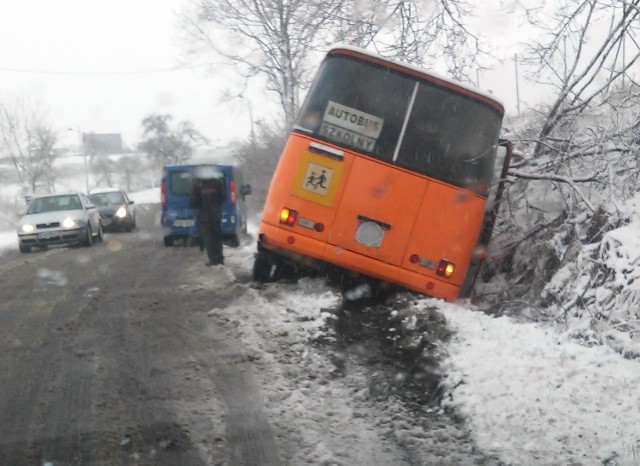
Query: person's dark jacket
[206, 197]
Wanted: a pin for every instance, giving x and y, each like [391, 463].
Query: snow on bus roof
[409, 66]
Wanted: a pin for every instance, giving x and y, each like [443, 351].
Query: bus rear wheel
[263, 266]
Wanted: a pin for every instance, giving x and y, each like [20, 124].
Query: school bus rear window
[448, 135]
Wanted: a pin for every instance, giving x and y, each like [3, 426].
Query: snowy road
[132, 353]
[107, 358]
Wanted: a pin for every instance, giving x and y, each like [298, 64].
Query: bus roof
[447, 82]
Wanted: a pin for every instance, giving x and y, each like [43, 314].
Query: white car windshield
[54, 203]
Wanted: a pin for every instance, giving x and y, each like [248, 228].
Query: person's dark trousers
[212, 239]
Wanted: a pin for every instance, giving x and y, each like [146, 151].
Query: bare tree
[266, 147]
[279, 40]
[423, 33]
[580, 155]
[587, 50]
[581, 66]
[168, 145]
[104, 168]
[27, 138]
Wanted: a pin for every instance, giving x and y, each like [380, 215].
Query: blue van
[178, 218]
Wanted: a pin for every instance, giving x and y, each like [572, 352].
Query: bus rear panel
[385, 174]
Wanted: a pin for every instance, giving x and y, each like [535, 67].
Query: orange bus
[387, 173]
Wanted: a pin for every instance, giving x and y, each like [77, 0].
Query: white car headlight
[28, 228]
[121, 212]
[69, 223]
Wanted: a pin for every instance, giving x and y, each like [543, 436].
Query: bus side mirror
[246, 190]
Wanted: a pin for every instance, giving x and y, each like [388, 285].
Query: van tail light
[233, 196]
[445, 268]
[288, 216]
[163, 194]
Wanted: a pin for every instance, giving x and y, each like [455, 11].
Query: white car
[59, 219]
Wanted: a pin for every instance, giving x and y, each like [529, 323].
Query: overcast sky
[89, 62]
[92, 64]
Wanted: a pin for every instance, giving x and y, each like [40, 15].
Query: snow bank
[533, 397]
[596, 295]
[149, 196]
[8, 240]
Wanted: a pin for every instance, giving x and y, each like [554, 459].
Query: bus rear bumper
[304, 250]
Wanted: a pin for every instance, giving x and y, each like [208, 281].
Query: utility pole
[86, 165]
[250, 106]
[253, 134]
[81, 139]
[515, 60]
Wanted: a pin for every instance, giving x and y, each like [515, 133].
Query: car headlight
[69, 223]
[28, 228]
[121, 212]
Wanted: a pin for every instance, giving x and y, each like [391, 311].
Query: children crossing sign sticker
[317, 179]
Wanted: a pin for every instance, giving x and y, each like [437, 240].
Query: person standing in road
[207, 195]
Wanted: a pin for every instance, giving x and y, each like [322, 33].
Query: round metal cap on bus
[369, 234]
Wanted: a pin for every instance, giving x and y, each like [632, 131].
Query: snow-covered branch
[561, 179]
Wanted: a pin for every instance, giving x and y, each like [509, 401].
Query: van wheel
[262, 266]
[234, 241]
[25, 249]
[168, 241]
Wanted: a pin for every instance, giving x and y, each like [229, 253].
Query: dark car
[116, 209]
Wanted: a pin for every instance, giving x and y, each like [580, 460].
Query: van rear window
[180, 183]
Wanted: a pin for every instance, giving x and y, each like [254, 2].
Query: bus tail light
[163, 194]
[288, 216]
[445, 268]
[233, 197]
[319, 227]
[414, 258]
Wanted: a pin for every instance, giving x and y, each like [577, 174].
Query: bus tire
[262, 266]
[168, 241]
[285, 271]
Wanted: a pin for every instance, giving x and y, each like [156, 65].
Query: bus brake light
[288, 216]
[163, 194]
[445, 268]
